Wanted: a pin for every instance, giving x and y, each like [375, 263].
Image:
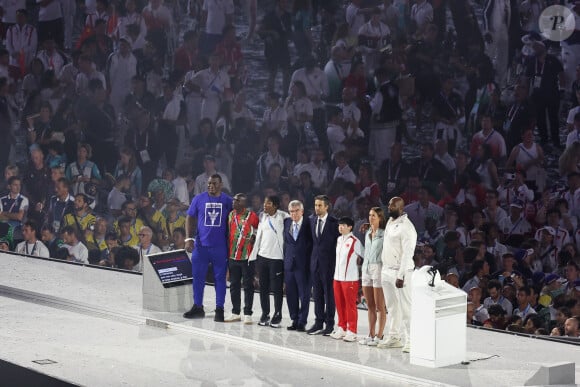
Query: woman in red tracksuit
[348, 250]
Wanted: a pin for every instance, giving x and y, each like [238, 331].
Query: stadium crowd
[472, 119]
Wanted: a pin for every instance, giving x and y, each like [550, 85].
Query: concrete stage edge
[89, 323]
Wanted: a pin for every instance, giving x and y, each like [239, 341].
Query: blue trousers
[200, 259]
[298, 294]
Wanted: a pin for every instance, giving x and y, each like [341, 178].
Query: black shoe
[195, 312]
[264, 321]
[276, 321]
[315, 330]
[292, 327]
[327, 331]
[219, 315]
[300, 328]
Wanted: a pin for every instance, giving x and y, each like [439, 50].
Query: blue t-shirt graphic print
[211, 213]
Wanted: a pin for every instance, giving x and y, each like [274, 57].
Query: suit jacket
[297, 252]
[323, 255]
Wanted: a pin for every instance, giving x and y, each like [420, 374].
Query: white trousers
[380, 142]
[398, 303]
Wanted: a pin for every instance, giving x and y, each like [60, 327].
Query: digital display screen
[172, 267]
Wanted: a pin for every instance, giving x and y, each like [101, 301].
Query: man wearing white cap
[515, 224]
[561, 235]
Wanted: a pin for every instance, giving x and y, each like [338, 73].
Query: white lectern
[167, 283]
[438, 321]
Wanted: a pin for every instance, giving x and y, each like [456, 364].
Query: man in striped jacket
[242, 224]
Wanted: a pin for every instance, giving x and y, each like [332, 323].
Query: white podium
[438, 322]
[167, 287]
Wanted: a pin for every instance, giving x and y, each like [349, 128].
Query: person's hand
[399, 283]
[189, 246]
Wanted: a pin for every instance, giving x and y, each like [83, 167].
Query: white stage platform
[91, 323]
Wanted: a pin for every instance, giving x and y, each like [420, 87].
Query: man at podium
[398, 248]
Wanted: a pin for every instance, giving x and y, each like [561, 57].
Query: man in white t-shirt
[31, 245]
[145, 247]
[216, 14]
[77, 251]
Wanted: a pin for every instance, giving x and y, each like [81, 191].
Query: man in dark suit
[324, 229]
[297, 250]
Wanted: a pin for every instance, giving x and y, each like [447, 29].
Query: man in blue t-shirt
[211, 210]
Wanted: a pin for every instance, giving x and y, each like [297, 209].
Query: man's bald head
[396, 207]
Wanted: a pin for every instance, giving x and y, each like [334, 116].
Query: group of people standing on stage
[316, 256]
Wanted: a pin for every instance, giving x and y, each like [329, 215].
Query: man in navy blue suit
[297, 250]
[324, 229]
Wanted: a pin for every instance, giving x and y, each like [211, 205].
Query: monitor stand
[158, 298]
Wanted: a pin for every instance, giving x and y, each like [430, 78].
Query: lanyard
[446, 99]
[526, 152]
[148, 250]
[33, 249]
[513, 111]
[514, 226]
[488, 136]
[271, 225]
[396, 172]
[13, 203]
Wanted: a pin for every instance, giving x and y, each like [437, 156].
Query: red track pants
[345, 294]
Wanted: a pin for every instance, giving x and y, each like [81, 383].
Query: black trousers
[53, 29]
[323, 295]
[551, 106]
[271, 280]
[241, 272]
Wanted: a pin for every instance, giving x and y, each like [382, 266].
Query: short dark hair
[496, 310]
[71, 231]
[112, 235]
[179, 230]
[525, 289]
[274, 199]
[216, 176]
[124, 220]
[324, 198]
[126, 252]
[12, 179]
[494, 284]
[126, 203]
[32, 224]
[346, 221]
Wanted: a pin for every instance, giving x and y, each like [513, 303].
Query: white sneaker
[248, 319]
[349, 337]
[407, 348]
[338, 333]
[233, 318]
[390, 342]
[366, 340]
[374, 342]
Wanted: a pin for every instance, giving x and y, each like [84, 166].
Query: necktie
[295, 231]
[319, 227]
